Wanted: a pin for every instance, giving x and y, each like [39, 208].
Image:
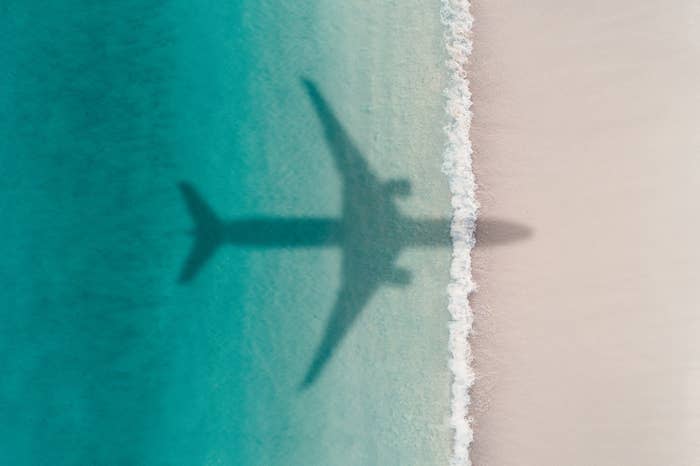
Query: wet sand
[587, 131]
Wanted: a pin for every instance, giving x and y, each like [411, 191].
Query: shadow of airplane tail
[209, 233]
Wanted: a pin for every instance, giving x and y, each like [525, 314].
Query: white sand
[587, 129]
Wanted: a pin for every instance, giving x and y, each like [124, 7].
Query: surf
[457, 165]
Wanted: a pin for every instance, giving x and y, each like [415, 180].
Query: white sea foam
[457, 165]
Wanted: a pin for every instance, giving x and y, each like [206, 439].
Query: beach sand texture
[586, 334]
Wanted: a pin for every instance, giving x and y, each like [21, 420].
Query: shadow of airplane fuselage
[371, 233]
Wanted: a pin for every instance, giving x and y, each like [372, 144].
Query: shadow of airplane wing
[368, 254]
[357, 288]
[350, 164]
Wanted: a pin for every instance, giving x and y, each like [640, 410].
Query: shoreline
[457, 166]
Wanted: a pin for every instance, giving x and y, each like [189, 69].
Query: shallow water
[108, 358]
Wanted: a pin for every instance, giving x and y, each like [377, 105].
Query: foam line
[457, 165]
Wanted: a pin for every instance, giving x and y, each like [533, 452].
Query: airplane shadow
[371, 232]
[496, 232]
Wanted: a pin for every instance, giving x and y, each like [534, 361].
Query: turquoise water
[107, 358]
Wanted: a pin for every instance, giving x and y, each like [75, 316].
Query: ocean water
[117, 114]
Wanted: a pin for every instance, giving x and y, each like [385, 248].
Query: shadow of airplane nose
[495, 232]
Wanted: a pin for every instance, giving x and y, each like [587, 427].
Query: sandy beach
[586, 332]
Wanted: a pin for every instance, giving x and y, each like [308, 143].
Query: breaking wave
[457, 165]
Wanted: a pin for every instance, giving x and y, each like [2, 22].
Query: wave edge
[457, 165]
